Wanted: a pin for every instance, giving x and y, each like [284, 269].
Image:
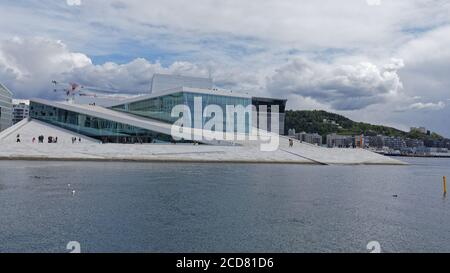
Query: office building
[21, 110]
[6, 107]
[339, 141]
[315, 138]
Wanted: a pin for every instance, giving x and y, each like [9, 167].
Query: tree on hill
[324, 123]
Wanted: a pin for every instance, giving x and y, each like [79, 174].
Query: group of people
[50, 139]
[74, 139]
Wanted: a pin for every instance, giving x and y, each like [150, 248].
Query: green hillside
[313, 122]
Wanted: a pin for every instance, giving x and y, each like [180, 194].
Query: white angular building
[148, 118]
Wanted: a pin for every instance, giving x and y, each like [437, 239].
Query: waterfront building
[5, 107]
[345, 141]
[414, 143]
[314, 138]
[376, 141]
[439, 143]
[394, 143]
[21, 110]
[339, 141]
[430, 151]
[148, 118]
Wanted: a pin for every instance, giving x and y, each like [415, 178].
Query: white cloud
[133, 77]
[342, 86]
[28, 66]
[427, 106]
[373, 2]
[73, 2]
[306, 24]
[182, 25]
[409, 106]
[428, 66]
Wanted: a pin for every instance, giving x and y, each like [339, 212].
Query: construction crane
[72, 89]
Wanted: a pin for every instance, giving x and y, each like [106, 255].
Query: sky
[379, 61]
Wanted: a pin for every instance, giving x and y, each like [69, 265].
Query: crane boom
[72, 89]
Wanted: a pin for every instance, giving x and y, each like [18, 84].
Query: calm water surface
[153, 207]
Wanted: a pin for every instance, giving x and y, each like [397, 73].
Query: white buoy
[68, 185]
[73, 192]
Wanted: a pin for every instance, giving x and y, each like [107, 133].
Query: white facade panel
[161, 82]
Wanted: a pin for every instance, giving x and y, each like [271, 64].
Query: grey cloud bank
[344, 87]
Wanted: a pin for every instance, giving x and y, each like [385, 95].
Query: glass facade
[268, 103]
[5, 108]
[104, 130]
[160, 108]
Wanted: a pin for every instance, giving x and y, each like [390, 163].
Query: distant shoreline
[420, 156]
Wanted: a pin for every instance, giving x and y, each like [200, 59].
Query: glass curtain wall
[105, 130]
[160, 108]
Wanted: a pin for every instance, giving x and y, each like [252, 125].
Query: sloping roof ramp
[104, 113]
[120, 117]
